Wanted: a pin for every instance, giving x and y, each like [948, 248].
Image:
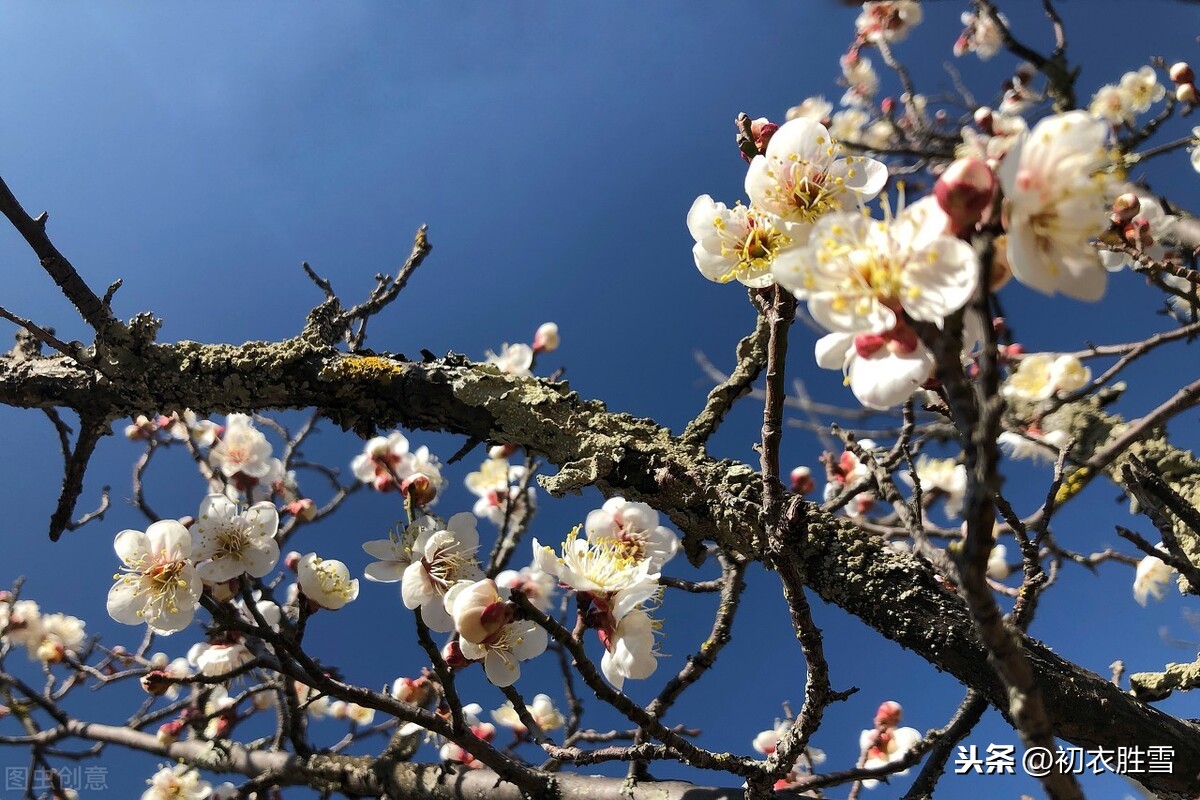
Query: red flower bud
[964, 191]
[888, 715]
[1181, 72]
[802, 480]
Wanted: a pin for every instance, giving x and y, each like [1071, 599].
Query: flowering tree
[906, 294]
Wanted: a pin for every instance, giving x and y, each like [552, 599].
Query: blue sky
[201, 152]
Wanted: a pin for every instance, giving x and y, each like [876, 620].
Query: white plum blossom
[882, 370]
[180, 782]
[502, 651]
[513, 359]
[997, 563]
[1055, 204]
[326, 582]
[629, 649]
[158, 584]
[885, 748]
[232, 543]
[442, 557]
[21, 622]
[243, 449]
[855, 272]
[1151, 579]
[602, 569]
[887, 20]
[1142, 88]
[1111, 104]
[546, 339]
[860, 78]
[1034, 444]
[496, 484]
[542, 710]
[803, 176]
[359, 715]
[203, 432]
[218, 658]
[847, 126]
[477, 609]
[981, 35]
[633, 527]
[1040, 376]
[734, 243]
[530, 581]
[387, 463]
[62, 635]
[814, 108]
[942, 474]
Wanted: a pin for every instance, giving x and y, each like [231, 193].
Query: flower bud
[964, 191]
[1125, 208]
[1186, 93]
[546, 339]
[419, 490]
[984, 119]
[501, 450]
[156, 682]
[292, 560]
[453, 655]
[159, 661]
[169, 732]
[762, 129]
[802, 481]
[303, 509]
[1181, 72]
[887, 105]
[888, 714]
[478, 610]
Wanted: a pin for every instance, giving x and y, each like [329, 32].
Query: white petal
[832, 349]
[124, 604]
[132, 547]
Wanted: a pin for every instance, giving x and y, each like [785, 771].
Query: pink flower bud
[1181, 72]
[292, 560]
[864, 503]
[453, 655]
[802, 480]
[1186, 93]
[1125, 208]
[887, 105]
[419, 490]
[888, 715]
[964, 191]
[762, 129]
[303, 509]
[478, 610]
[546, 338]
[169, 732]
[502, 451]
[984, 119]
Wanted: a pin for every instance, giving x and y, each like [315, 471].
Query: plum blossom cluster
[518, 359]
[766, 742]
[166, 567]
[887, 742]
[497, 485]
[614, 573]
[49, 638]
[386, 463]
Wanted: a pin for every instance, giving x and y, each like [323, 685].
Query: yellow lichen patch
[359, 368]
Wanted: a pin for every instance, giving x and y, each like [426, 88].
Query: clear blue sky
[202, 151]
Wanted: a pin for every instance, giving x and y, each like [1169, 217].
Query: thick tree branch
[709, 500]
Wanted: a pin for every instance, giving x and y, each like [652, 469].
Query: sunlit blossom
[158, 584]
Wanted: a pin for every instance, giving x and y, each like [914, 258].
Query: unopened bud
[303, 509]
[159, 661]
[864, 503]
[985, 120]
[546, 339]
[1125, 208]
[888, 714]
[156, 683]
[453, 655]
[964, 191]
[1186, 93]
[762, 129]
[227, 590]
[887, 105]
[501, 450]
[292, 560]
[419, 490]
[1012, 352]
[802, 481]
[1181, 72]
[168, 732]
